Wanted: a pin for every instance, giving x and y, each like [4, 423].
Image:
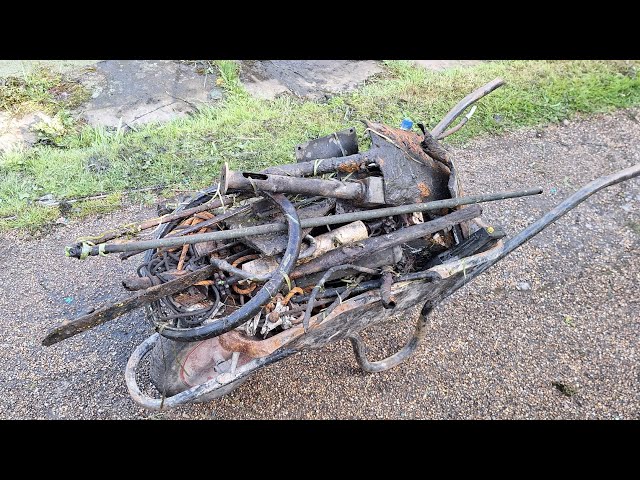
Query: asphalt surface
[566, 347]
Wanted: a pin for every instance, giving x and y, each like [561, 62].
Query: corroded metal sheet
[410, 175]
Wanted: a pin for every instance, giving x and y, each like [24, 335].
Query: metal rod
[76, 250]
[543, 222]
[462, 105]
[397, 358]
[134, 228]
[568, 204]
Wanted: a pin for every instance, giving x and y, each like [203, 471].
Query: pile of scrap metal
[262, 258]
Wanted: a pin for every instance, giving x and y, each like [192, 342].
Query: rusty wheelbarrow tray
[198, 379]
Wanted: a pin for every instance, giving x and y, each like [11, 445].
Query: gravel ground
[493, 350]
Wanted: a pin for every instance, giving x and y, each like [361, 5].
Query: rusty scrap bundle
[315, 267]
[261, 252]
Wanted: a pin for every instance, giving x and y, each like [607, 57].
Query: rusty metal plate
[410, 175]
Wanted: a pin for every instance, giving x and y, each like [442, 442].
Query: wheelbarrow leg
[360, 350]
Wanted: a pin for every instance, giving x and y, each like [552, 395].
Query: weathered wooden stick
[69, 328]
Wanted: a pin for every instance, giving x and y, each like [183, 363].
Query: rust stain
[424, 190]
[349, 167]
[236, 341]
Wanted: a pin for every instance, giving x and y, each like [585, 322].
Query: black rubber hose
[263, 296]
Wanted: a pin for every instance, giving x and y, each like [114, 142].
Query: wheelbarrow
[203, 370]
[199, 364]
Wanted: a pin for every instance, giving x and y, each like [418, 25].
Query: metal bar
[248, 181]
[462, 105]
[547, 219]
[135, 228]
[396, 359]
[76, 250]
[568, 204]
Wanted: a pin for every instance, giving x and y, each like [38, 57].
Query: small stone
[215, 94]
[62, 221]
[523, 286]
[565, 122]
[627, 208]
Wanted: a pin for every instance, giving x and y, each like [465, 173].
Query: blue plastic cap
[406, 124]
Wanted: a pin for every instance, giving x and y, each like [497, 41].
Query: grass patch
[44, 90]
[40, 89]
[251, 134]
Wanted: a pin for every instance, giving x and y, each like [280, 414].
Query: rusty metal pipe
[248, 181]
[387, 299]
[350, 163]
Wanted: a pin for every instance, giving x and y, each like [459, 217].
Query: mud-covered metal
[337, 144]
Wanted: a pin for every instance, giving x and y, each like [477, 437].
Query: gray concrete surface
[134, 92]
[493, 350]
[313, 79]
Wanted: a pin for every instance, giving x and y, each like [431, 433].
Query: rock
[134, 92]
[215, 94]
[565, 122]
[17, 132]
[523, 286]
